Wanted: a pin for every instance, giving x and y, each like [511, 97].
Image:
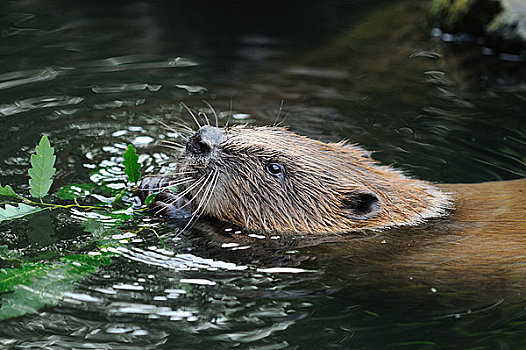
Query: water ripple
[112, 64]
[317, 72]
[256, 334]
[193, 89]
[38, 103]
[12, 79]
[126, 87]
[116, 64]
[151, 310]
[181, 262]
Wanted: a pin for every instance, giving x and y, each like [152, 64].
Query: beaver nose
[204, 140]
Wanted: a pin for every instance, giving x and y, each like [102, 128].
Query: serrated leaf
[131, 164]
[11, 212]
[42, 169]
[7, 191]
[75, 191]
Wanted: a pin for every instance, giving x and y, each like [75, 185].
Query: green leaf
[96, 228]
[131, 164]
[42, 169]
[9, 278]
[118, 197]
[149, 200]
[42, 231]
[174, 188]
[6, 254]
[121, 215]
[7, 191]
[12, 212]
[75, 191]
[35, 285]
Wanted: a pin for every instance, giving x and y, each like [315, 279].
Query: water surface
[96, 77]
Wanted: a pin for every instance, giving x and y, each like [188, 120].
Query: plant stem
[54, 206]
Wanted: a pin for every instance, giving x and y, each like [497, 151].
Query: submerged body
[488, 227]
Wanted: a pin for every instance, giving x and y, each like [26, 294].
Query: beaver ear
[361, 205]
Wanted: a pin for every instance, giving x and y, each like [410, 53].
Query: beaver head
[271, 179]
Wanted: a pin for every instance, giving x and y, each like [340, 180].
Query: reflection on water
[97, 77]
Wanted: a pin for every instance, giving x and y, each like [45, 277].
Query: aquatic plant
[29, 283]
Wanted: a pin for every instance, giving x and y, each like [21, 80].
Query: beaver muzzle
[204, 141]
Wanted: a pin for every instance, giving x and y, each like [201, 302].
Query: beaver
[269, 179]
[286, 186]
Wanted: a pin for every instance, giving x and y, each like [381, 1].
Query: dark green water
[94, 77]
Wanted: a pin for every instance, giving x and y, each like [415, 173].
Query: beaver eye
[275, 169]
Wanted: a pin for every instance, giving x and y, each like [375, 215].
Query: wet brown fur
[315, 194]
[482, 241]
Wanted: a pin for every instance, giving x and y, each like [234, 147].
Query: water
[95, 77]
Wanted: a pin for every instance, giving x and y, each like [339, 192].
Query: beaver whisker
[189, 224]
[184, 172]
[200, 167]
[160, 188]
[182, 194]
[208, 194]
[178, 157]
[172, 184]
[191, 187]
[231, 111]
[192, 114]
[205, 117]
[175, 148]
[283, 120]
[200, 189]
[166, 126]
[173, 143]
[196, 214]
[185, 128]
[279, 113]
[216, 181]
[213, 111]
